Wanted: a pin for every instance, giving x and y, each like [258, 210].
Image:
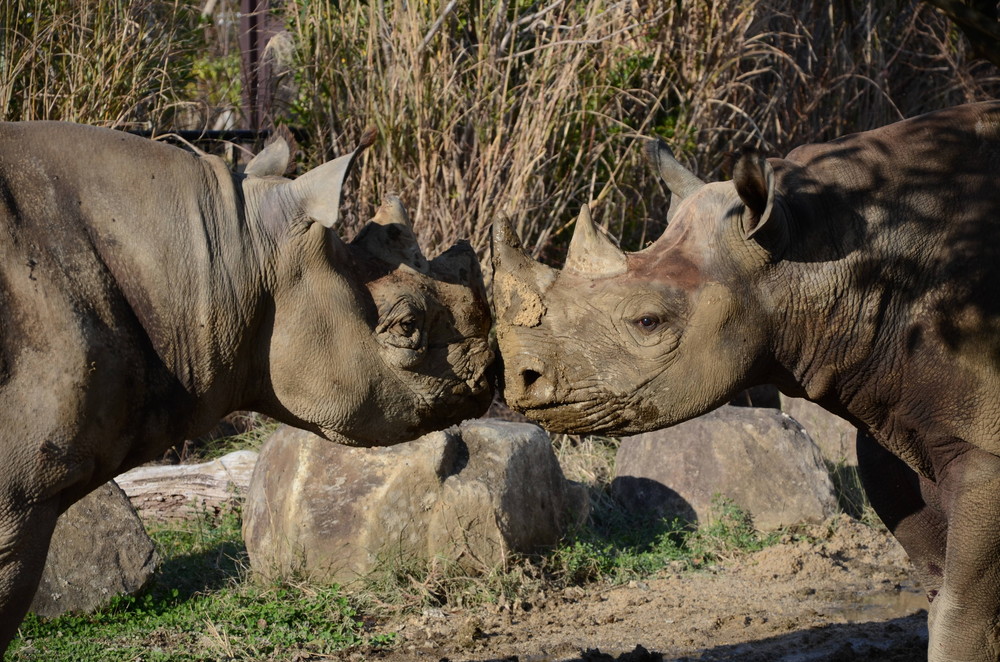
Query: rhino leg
[25, 532]
[908, 505]
[964, 619]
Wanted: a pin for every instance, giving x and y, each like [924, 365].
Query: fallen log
[172, 492]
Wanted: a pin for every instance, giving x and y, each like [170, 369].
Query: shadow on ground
[896, 640]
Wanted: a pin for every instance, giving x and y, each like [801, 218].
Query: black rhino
[146, 292]
[863, 274]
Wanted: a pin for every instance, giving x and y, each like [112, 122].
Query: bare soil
[843, 595]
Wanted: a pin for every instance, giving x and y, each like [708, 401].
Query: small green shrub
[729, 532]
[618, 548]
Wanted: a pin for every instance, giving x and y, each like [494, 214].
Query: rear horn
[591, 252]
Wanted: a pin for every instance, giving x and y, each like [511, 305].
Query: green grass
[243, 622]
[202, 607]
[258, 430]
[850, 493]
[618, 548]
[730, 532]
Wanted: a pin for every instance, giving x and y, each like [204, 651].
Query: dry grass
[532, 109]
[478, 113]
[525, 108]
[118, 64]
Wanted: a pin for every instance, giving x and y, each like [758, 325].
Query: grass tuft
[203, 607]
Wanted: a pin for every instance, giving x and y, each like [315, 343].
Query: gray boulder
[834, 436]
[759, 458]
[472, 494]
[99, 550]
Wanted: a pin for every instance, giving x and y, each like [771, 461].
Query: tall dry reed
[114, 63]
[513, 106]
[534, 109]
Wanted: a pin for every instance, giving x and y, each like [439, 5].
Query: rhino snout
[528, 382]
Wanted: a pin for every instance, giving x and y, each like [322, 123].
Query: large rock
[472, 494]
[99, 550]
[834, 436]
[759, 458]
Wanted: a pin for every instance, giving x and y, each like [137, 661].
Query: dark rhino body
[863, 274]
[145, 292]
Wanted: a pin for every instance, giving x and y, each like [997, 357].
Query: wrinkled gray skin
[863, 274]
[145, 292]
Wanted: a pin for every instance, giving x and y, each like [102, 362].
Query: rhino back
[926, 175]
[105, 249]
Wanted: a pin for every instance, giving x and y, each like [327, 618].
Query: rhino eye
[405, 327]
[402, 325]
[647, 322]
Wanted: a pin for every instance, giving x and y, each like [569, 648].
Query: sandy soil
[844, 596]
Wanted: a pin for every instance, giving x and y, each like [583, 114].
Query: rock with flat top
[472, 494]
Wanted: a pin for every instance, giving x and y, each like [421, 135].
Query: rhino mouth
[575, 417]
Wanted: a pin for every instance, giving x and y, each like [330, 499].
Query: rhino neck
[187, 260]
[836, 315]
[235, 254]
[856, 297]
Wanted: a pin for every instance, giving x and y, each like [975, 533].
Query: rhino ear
[754, 180]
[681, 181]
[270, 161]
[459, 264]
[319, 190]
[389, 237]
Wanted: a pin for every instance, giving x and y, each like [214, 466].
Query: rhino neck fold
[188, 270]
[217, 327]
[843, 307]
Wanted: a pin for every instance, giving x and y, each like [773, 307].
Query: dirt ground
[844, 596]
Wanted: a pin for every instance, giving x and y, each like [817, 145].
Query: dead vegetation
[524, 108]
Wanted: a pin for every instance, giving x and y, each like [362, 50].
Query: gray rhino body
[863, 274]
[146, 291]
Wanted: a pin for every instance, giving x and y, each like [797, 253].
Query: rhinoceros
[146, 291]
[862, 274]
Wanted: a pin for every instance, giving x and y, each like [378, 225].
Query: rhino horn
[681, 181]
[389, 236]
[511, 261]
[320, 190]
[591, 251]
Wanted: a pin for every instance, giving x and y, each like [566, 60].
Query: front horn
[512, 264]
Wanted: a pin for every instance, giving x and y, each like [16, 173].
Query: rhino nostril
[529, 377]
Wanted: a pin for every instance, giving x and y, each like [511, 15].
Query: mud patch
[511, 291]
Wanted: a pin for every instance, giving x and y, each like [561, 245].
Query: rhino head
[368, 342]
[621, 343]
